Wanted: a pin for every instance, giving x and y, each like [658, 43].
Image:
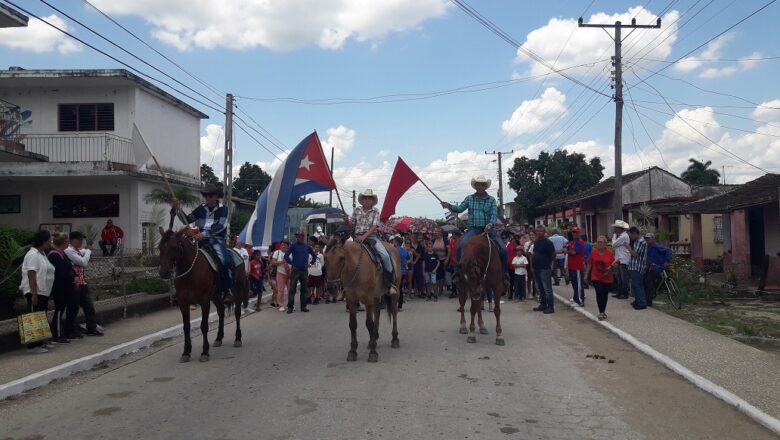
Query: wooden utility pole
[228, 171]
[617, 61]
[500, 178]
[330, 201]
[354, 205]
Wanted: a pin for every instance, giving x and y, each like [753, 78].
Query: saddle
[368, 245]
[208, 253]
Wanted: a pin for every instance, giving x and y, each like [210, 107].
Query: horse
[348, 265]
[481, 269]
[197, 283]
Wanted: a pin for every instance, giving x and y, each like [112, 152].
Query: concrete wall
[710, 249]
[772, 229]
[654, 185]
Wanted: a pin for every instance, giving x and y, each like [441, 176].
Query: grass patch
[150, 285]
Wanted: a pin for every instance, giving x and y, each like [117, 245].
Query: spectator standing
[559, 242]
[418, 275]
[282, 274]
[405, 259]
[299, 255]
[431, 262]
[452, 262]
[80, 259]
[588, 249]
[520, 264]
[441, 249]
[529, 252]
[62, 292]
[111, 235]
[544, 255]
[256, 277]
[575, 252]
[511, 244]
[600, 262]
[37, 280]
[315, 275]
[658, 259]
[622, 257]
[637, 267]
[411, 264]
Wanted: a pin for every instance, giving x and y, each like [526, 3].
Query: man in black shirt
[542, 260]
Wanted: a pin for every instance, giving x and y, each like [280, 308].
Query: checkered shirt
[639, 262]
[482, 210]
[363, 220]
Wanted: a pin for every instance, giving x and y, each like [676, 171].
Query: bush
[22, 237]
[150, 285]
[12, 250]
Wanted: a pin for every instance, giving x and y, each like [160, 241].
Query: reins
[194, 260]
[490, 255]
[355, 272]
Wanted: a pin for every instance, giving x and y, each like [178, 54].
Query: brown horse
[349, 265]
[197, 283]
[481, 269]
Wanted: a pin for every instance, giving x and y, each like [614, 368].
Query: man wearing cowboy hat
[621, 243]
[211, 219]
[483, 210]
[365, 222]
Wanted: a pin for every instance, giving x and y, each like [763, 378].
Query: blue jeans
[470, 232]
[638, 286]
[381, 250]
[543, 279]
[577, 279]
[623, 280]
[225, 260]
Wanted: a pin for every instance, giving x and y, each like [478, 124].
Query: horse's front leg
[373, 356]
[394, 343]
[377, 313]
[204, 329]
[220, 306]
[462, 309]
[237, 342]
[185, 318]
[352, 355]
[497, 312]
[475, 308]
[482, 329]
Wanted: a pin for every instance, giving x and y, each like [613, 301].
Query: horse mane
[475, 257]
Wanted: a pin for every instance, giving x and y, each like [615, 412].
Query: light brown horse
[481, 269]
[349, 265]
[197, 283]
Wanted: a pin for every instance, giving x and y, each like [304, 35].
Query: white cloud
[689, 127]
[767, 111]
[212, 147]
[750, 61]
[587, 45]
[718, 72]
[39, 37]
[713, 50]
[276, 25]
[341, 138]
[536, 114]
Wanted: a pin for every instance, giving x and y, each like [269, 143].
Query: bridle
[180, 255]
[490, 255]
[344, 266]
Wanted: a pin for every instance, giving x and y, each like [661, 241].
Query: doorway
[756, 238]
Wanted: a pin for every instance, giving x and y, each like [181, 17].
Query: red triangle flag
[403, 179]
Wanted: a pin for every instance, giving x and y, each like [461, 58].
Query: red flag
[403, 179]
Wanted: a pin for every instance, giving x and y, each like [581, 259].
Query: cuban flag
[303, 172]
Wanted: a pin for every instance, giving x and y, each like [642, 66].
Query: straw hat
[480, 179]
[620, 224]
[368, 193]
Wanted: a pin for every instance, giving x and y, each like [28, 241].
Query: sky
[424, 81]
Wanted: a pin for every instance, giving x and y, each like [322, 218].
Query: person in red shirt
[600, 273]
[575, 249]
[111, 235]
[452, 262]
[256, 277]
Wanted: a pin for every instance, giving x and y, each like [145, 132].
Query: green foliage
[303, 202]
[11, 253]
[251, 181]
[150, 285]
[238, 219]
[161, 196]
[90, 232]
[207, 176]
[550, 177]
[699, 173]
[21, 236]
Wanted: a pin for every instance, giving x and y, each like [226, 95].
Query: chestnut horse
[349, 265]
[197, 283]
[481, 269]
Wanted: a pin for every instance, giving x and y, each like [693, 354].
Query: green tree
[161, 196]
[549, 177]
[207, 176]
[303, 202]
[251, 181]
[700, 173]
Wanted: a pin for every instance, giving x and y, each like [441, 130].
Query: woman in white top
[37, 280]
[282, 274]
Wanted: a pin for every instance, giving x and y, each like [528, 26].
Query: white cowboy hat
[620, 224]
[481, 179]
[367, 193]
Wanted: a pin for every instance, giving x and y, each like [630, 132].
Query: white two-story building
[67, 156]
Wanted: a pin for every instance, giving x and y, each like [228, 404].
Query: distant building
[10, 17]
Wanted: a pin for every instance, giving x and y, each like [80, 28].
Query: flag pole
[330, 169]
[161, 173]
[431, 191]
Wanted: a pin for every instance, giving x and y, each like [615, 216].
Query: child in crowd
[256, 277]
[316, 291]
[414, 256]
[520, 264]
[431, 265]
[282, 275]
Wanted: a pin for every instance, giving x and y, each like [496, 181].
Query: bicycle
[666, 282]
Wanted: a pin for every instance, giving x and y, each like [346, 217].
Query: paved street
[290, 380]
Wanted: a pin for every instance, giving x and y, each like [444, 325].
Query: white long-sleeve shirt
[76, 258]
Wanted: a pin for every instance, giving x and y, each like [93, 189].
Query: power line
[261, 134]
[257, 141]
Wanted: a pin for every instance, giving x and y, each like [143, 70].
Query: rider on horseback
[482, 211]
[365, 222]
[211, 219]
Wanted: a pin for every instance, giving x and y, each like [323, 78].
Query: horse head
[171, 249]
[335, 259]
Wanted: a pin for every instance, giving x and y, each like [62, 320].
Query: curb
[716, 390]
[85, 363]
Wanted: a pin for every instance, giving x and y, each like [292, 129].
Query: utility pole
[617, 61]
[500, 178]
[228, 172]
[330, 201]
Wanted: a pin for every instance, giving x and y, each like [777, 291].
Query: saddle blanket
[237, 260]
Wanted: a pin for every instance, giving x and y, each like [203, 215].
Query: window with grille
[11, 204]
[86, 117]
[85, 205]
[718, 222]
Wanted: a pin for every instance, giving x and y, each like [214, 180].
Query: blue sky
[359, 49]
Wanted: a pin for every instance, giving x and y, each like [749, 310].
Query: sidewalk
[747, 372]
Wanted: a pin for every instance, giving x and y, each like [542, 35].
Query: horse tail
[391, 305]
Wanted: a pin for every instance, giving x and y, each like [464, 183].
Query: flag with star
[303, 171]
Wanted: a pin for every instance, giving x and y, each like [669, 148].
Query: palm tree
[161, 196]
[699, 173]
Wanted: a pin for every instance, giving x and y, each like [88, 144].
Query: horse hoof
[204, 358]
[484, 331]
[471, 339]
[184, 358]
[500, 341]
[237, 344]
[352, 356]
[217, 343]
[395, 344]
[373, 357]
[463, 331]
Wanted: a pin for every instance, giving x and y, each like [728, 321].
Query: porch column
[697, 247]
[740, 254]
[663, 223]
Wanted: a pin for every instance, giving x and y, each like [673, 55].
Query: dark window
[86, 117]
[85, 205]
[10, 204]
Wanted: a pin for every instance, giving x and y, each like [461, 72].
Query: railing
[81, 147]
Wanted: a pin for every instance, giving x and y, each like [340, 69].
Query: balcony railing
[81, 147]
